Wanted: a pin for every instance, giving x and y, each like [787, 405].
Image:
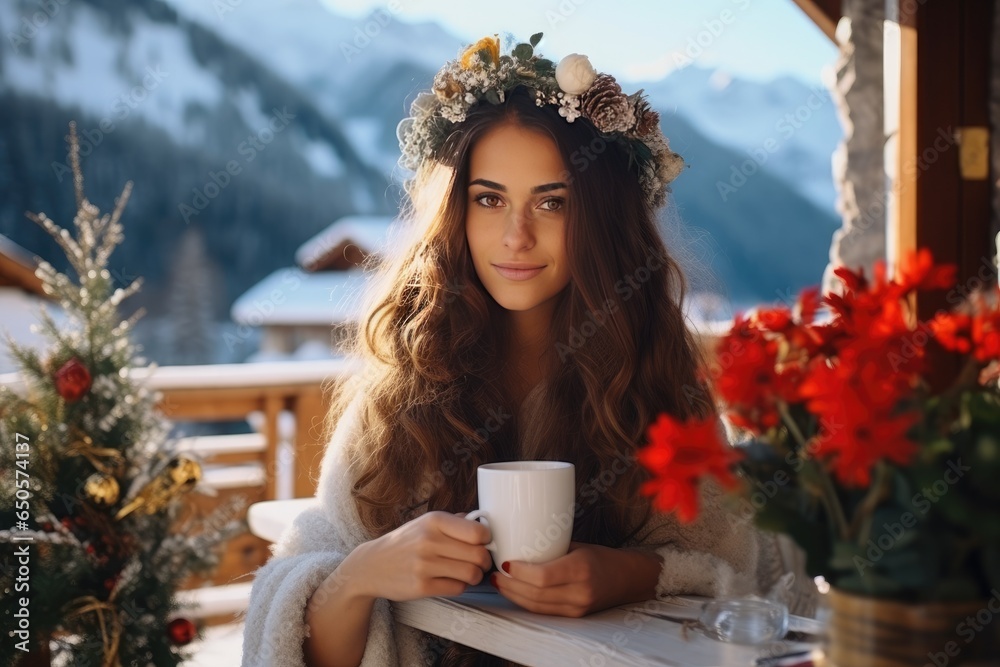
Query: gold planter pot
[868, 632]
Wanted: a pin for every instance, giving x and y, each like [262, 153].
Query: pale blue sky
[640, 39]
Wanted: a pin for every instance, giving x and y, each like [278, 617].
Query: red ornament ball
[181, 631]
[72, 380]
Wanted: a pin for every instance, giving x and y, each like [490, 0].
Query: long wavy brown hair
[433, 343]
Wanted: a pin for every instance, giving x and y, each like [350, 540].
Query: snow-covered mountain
[209, 135]
[354, 68]
[784, 127]
[270, 119]
[759, 241]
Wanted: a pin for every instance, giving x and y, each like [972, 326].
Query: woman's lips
[517, 274]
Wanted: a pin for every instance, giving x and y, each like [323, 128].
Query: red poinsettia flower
[854, 281]
[807, 305]
[978, 333]
[679, 455]
[918, 272]
[953, 331]
[855, 438]
[986, 336]
[747, 379]
[778, 319]
[857, 400]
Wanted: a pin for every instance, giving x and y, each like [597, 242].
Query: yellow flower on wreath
[491, 44]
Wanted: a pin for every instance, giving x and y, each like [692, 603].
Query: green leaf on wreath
[545, 67]
[522, 52]
[534, 39]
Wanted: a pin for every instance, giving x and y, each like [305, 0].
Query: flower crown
[481, 74]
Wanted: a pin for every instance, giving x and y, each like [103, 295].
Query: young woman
[535, 314]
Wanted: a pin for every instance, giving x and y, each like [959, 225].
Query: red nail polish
[505, 566]
[493, 580]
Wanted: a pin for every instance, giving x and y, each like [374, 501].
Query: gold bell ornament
[101, 489]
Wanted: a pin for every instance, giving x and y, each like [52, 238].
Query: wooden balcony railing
[286, 402]
[224, 392]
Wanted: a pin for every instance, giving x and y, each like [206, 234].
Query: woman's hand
[437, 553]
[587, 579]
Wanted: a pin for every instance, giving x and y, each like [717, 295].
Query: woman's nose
[518, 233]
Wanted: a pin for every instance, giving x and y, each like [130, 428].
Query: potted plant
[889, 483]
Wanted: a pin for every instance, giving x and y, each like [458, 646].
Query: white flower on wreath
[574, 74]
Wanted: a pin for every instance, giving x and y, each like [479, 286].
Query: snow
[20, 312]
[156, 76]
[799, 120]
[93, 80]
[370, 233]
[306, 42]
[322, 158]
[324, 298]
[186, 83]
[243, 375]
[247, 102]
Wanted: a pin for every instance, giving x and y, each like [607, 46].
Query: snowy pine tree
[191, 306]
[94, 545]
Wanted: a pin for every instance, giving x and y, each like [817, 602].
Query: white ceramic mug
[528, 507]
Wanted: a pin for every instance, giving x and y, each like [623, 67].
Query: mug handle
[480, 514]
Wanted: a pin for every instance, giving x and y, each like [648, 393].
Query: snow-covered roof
[292, 296]
[369, 232]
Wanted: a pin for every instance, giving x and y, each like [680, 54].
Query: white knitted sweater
[717, 555]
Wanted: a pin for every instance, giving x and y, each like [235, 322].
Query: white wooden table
[630, 636]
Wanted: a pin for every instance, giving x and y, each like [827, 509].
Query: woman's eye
[488, 201]
[553, 204]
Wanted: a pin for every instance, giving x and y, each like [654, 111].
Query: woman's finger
[563, 594]
[460, 528]
[562, 570]
[540, 607]
[449, 568]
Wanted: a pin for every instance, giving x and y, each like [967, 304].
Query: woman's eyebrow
[502, 188]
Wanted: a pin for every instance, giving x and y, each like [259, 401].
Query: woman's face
[516, 217]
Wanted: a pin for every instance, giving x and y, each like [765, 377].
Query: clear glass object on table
[746, 620]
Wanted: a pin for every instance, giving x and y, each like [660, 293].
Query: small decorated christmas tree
[95, 542]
